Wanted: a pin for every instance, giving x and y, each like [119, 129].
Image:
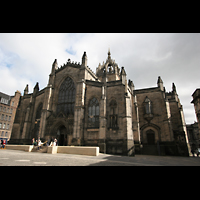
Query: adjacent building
[195, 128]
[196, 102]
[80, 107]
[193, 134]
[8, 106]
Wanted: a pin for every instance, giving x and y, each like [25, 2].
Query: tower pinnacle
[109, 53]
[84, 59]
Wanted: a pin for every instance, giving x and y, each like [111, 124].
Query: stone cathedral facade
[80, 107]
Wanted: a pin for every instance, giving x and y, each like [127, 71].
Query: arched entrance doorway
[62, 136]
[150, 134]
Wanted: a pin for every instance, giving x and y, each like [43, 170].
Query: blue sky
[27, 58]
[70, 51]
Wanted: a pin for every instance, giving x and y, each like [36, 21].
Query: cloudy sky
[27, 58]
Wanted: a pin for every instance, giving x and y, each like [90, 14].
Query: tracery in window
[113, 114]
[93, 113]
[66, 97]
[148, 109]
[39, 111]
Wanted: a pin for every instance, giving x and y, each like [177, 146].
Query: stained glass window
[93, 113]
[113, 115]
[39, 111]
[66, 97]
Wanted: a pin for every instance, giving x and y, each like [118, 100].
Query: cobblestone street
[21, 158]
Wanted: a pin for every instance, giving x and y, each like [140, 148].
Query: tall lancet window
[93, 113]
[66, 97]
[113, 114]
[148, 106]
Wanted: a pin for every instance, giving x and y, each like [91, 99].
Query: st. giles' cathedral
[79, 107]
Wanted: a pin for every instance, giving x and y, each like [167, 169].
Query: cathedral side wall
[23, 127]
[116, 93]
[20, 118]
[159, 111]
[178, 121]
[116, 137]
[38, 100]
[91, 136]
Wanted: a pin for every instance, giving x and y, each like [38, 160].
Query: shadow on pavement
[146, 160]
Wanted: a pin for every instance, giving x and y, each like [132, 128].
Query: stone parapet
[27, 148]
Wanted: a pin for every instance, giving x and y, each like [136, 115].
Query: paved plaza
[21, 158]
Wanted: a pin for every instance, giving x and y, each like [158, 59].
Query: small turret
[36, 88]
[131, 85]
[173, 88]
[160, 83]
[84, 60]
[26, 90]
[123, 75]
[54, 66]
[174, 92]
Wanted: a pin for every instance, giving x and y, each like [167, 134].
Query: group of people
[2, 143]
[37, 143]
[50, 142]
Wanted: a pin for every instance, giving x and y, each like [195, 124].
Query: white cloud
[27, 59]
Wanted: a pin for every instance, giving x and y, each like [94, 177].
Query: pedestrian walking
[55, 142]
[39, 144]
[33, 141]
[4, 144]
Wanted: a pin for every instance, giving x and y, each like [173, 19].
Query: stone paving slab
[21, 158]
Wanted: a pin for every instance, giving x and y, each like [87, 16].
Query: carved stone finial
[173, 88]
[109, 53]
[26, 90]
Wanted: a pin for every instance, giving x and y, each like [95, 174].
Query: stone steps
[42, 150]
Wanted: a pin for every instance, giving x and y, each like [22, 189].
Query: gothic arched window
[113, 114]
[37, 120]
[93, 113]
[39, 111]
[66, 97]
[148, 106]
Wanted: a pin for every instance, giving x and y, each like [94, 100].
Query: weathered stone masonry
[79, 107]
